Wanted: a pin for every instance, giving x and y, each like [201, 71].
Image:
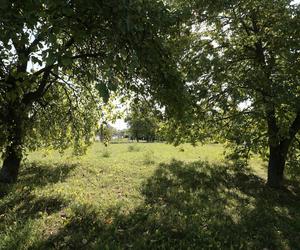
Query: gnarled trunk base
[276, 165]
[11, 165]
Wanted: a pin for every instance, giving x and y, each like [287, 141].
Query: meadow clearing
[146, 196]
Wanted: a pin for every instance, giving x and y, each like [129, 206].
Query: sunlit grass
[149, 196]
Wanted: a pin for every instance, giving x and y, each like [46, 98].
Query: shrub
[149, 158]
[133, 148]
[106, 153]
[181, 149]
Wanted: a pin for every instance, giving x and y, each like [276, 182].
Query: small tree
[105, 133]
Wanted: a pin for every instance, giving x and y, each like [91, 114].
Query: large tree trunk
[12, 156]
[278, 149]
[11, 164]
[277, 159]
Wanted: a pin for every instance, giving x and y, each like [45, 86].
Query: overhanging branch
[39, 92]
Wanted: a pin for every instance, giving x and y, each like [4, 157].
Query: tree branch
[68, 44]
[37, 40]
[39, 92]
[295, 127]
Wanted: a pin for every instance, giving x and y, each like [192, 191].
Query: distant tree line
[143, 122]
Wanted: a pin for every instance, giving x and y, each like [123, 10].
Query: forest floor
[146, 196]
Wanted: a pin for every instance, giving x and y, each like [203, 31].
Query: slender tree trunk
[12, 156]
[277, 159]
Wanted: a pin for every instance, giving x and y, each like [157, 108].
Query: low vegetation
[186, 198]
[133, 148]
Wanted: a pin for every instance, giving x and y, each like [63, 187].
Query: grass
[159, 197]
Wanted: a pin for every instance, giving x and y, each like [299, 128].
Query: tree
[242, 63]
[53, 56]
[143, 123]
[106, 132]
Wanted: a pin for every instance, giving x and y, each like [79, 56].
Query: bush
[106, 153]
[181, 149]
[149, 158]
[133, 148]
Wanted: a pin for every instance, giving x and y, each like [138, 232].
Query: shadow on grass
[21, 206]
[37, 174]
[191, 206]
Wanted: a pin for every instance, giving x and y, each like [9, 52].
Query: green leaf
[66, 61]
[103, 90]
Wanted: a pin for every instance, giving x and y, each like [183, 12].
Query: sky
[120, 124]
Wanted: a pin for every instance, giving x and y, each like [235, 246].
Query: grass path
[146, 196]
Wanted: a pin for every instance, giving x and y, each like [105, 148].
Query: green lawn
[146, 196]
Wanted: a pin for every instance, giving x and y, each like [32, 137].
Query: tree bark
[278, 149]
[277, 160]
[11, 165]
[12, 156]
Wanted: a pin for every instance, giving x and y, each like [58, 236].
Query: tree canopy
[241, 61]
[55, 55]
[227, 70]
